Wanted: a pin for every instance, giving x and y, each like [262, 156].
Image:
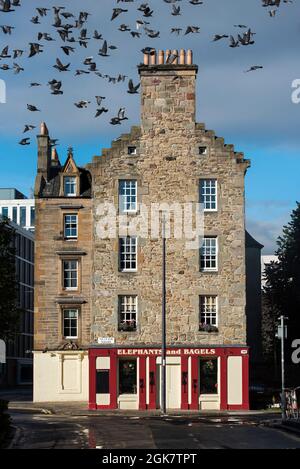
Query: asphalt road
[39, 431]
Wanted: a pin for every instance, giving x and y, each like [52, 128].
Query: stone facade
[51, 248]
[168, 168]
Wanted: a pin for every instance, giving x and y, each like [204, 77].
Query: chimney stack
[44, 158]
[168, 81]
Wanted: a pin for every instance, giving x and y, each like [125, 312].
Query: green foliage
[283, 283]
[283, 277]
[9, 312]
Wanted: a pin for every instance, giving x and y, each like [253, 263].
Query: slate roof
[52, 187]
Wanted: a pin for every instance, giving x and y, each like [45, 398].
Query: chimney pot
[146, 59]
[182, 57]
[189, 57]
[54, 156]
[175, 54]
[44, 129]
[161, 57]
[153, 58]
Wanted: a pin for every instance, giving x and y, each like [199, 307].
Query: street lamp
[282, 334]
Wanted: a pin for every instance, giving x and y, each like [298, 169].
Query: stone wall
[168, 169]
[49, 294]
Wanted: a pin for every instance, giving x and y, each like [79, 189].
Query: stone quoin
[98, 302]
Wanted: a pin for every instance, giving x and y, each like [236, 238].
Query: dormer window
[132, 151]
[202, 151]
[70, 186]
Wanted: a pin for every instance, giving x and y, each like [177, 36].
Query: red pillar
[245, 362]
[184, 383]
[152, 383]
[223, 384]
[195, 384]
[92, 380]
[142, 383]
[113, 380]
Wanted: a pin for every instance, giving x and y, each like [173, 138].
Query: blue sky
[252, 110]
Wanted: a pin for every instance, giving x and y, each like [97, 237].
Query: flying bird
[253, 68]
[28, 127]
[117, 12]
[32, 108]
[24, 141]
[6, 6]
[100, 111]
[131, 88]
[61, 67]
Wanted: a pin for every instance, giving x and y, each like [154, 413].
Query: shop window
[208, 376]
[127, 377]
[102, 381]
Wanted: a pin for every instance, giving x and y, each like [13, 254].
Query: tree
[283, 286]
[9, 311]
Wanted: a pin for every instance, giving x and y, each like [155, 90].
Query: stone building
[98, 299]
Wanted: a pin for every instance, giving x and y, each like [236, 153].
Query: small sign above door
[106, 340]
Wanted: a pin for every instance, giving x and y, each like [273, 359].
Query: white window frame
[68, 194]
[70, 270]
[205, 198]
[209, 312]
[70, 223]
[131, 300]
[69, 319]
[209, 269]
[123, 197]
[129, 253]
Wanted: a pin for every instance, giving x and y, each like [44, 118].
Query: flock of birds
[71, 30]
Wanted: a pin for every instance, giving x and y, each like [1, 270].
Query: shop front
[196, 378]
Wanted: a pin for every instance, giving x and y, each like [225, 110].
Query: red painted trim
[184, 383]
[92, 381]
[152, 388]
[223, 384]
[113, 380]
[195, 384]
[142, 383]
[245, 372]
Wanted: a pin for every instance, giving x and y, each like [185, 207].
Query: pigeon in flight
[119, 118]
[253, 68]
[32, 108]
[7, 29]
[117, 12]
[100, 111]
[131, 88]
[28, 127]
[24, 141]
[6, 6]
[61, 67]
